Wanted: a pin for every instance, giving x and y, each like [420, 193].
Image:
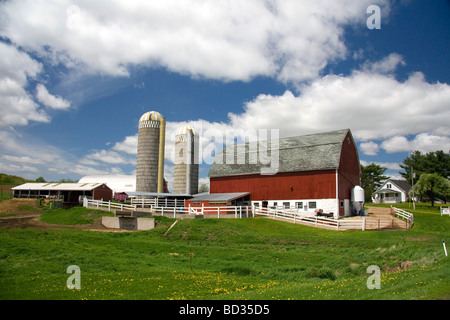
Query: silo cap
[185, 129]
[151, 115]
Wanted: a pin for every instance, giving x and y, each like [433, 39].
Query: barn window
[312, 205]
[299, 205]
[286, 205]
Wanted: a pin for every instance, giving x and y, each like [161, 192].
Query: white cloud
[17, 107]
[369, 148]
[107, 156]
[387, 165]
[50, 100]
[386, 65]
[425, 142]
[128, 145]
[373, 106]
[228, 40]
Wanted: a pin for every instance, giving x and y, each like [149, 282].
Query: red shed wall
[282, 186]
[102, 192]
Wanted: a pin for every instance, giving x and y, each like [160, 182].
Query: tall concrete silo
[150, 153]
[186, 161]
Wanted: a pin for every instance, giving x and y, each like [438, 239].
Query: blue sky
[75, 76]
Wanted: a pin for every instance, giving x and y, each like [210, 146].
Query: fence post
[364, 224]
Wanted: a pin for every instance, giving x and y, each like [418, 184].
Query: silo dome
[151, 115]
[185, 129]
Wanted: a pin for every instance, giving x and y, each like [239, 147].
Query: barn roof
[319, 151]
[58, 186]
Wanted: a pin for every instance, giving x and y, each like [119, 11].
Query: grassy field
[252, 258]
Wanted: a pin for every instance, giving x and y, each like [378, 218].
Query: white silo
[357, 198]
[150, 153]
[186, 161]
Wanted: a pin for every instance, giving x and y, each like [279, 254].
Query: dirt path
[25, 213]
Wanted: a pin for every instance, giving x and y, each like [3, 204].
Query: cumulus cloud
[238, 40]
[425, 142]
[50, 100]
[373, 106]
[17, 107]
[387, 65]
[369, 148]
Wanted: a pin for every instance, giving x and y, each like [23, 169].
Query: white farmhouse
[392, 191]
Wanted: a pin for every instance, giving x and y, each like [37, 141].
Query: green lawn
[225, 259]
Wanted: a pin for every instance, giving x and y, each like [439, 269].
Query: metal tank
[150, 153]
[357, 198]
[186, 161]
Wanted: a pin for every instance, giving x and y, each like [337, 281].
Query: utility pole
[412, 180]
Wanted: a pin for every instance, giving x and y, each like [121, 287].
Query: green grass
[73, 216]
[226, 259]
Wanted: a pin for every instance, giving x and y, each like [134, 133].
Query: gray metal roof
[58, 186]
[319, 151]
[156, 194]
[219, 196]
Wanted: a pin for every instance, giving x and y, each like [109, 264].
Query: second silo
[186, 161]
[150, 153]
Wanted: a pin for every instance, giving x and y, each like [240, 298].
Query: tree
[432, 162]
[371, 179]
[40, 179]
[432, 186]
[203, 188]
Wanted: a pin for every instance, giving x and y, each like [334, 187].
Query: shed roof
[219, 196]
[158, 194]
[58, 186]
[319, 151]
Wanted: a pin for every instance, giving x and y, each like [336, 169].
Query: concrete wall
[128, 223]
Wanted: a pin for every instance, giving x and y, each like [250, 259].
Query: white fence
[155, 202]
[99, 204]
[403, 215]
[316, 221]
[247, 211]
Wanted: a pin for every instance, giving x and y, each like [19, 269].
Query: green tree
[432, 162]
[203, 188]
[371, 179]
[40, 179]
[432, 186]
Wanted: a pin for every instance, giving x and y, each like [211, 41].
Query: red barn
[313, 172]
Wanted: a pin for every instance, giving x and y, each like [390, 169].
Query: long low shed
[68, 192]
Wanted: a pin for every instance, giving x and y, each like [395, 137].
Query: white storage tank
[357, 198]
